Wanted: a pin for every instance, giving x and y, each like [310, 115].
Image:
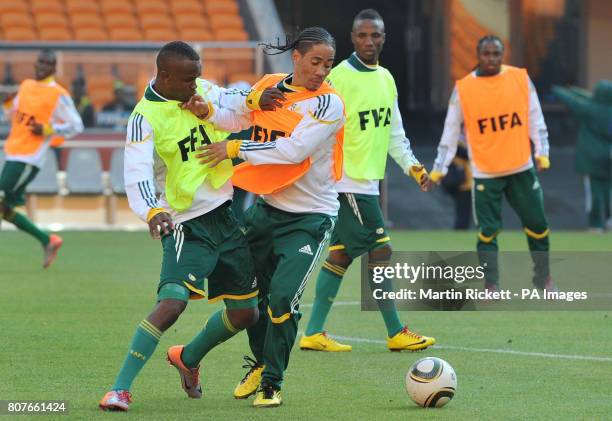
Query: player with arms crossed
[199, 236]
[41, 111]
[373, 129]
[500, 110]
[293, 162]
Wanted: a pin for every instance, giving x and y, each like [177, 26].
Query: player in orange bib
[41, 114]
[500, 110]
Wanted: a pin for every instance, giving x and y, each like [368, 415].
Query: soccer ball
[431, 382]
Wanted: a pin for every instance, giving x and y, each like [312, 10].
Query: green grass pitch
[65, 332]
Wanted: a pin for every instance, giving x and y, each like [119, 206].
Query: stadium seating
[84, 172]
[45, 181]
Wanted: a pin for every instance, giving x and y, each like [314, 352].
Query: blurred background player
[593, 146]
[290, 225]
[500, 110]
[458, 185]
[373, 129]
[41, 110]
[199, 236]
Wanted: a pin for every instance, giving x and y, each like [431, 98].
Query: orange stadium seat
[231, 35]
[51, 21]
[13, 6]
[46, 6]
[54, 34]
[79, 6]
[195, 34]
[116, 6]
[120, 20]
[228, 7]
[86, 20]
[214, 72]
[155, 21]
[16, 20]
[151, 7]
[250, 78]
[157, 34]
[90, 34]
[191, 21]
[219, 22]
[19, 34]
[186, 7]
[125, 34]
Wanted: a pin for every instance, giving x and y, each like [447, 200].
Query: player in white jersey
[294, 170]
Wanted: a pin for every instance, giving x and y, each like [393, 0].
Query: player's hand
[159, 224]
[419, 173]
[213, 154]
[197, 105]
[542, 163]
[436, 177]
[35, 128]
[271, 99]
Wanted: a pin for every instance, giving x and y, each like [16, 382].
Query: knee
[243, 318]
[381, 254]
[339, 258]
[170, 310]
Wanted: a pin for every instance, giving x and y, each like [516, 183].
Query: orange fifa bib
[270, 125]
[36, 103]
[496, 117]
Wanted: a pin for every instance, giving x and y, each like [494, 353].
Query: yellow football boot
[406, 340]
[322, 342]
[249, 384]
[267, 397]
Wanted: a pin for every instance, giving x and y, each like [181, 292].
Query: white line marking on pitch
[468, 349]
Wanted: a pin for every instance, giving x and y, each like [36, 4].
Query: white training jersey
[65, 121]
[145, 172]
[447, 148]
[314, 137]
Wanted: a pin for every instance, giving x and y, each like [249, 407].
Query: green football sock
[24, 224]
[387, 308]
[142, 347]
[218, 329]
[328, 284]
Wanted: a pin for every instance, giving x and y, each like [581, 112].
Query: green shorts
[14, 179]
[211, 246]
[286, 248]
[360, 227]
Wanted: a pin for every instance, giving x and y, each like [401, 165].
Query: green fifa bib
[369, 95]
[177, 134]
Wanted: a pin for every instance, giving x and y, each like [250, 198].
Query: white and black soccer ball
[431, 382]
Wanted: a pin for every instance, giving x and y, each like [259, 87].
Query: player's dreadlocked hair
[303, 42]
[487, 39]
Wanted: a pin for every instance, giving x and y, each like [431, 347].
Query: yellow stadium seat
[90, 34]
[46, 6]
[194, 34]
[13, 6]
[50, 20]
[219, 22]
[16, 20]
[162, 35]
[231, 35]
[19, 34]
[125, 34]
[229, 7]
[54, 34]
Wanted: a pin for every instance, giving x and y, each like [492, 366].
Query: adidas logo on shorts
[306, 249]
